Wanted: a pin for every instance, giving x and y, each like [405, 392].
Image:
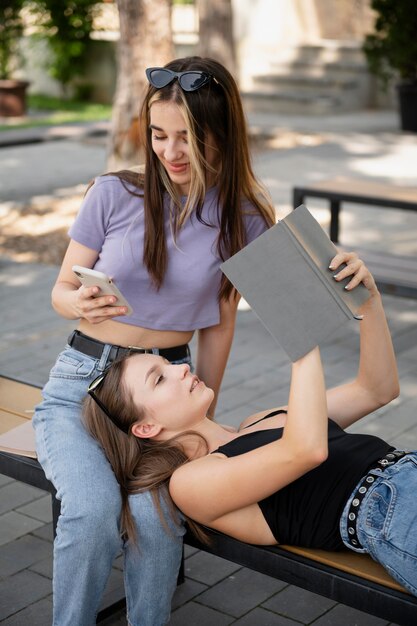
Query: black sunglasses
[95, 384]
[189, 81]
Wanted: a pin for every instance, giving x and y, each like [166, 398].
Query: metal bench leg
[56, 510]
[181, 572]
[334, 220]
[297, 197]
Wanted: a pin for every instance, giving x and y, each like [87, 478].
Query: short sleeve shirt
[111, 221]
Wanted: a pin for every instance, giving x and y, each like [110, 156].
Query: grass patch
[48, 111]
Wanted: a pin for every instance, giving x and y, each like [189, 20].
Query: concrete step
[327, 51]
[271, 83]
[293, 103]
[317, 68]
[318, 78]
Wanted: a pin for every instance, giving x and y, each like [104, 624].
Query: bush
[392, 48]
[67, 25]
[11, 29]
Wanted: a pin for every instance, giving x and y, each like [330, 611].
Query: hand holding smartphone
[93, 278]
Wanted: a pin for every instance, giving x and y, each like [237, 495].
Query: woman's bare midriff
[127, 335]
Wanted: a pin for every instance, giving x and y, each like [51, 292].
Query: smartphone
[93, 278]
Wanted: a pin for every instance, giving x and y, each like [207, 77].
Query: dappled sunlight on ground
[36, 231]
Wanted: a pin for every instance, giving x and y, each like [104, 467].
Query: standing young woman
[161, 235]
[291, 475]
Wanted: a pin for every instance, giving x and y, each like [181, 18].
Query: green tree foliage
[392, 48]
[11, 29]
[67, 25]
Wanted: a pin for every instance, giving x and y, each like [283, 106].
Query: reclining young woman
[291, 475]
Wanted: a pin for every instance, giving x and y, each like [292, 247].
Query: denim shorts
[387, 521]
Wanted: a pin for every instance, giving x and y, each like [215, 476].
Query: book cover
[284, 276]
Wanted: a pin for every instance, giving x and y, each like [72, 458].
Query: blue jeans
[387, 521]
[88, 534]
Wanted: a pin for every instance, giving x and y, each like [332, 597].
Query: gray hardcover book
[284, 276]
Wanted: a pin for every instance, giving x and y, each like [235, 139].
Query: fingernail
[331, 267]
[335, 275]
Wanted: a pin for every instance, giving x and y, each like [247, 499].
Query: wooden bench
[394, 274]
[352, 579]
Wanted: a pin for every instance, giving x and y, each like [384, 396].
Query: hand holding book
[354, 269]
[284, 276]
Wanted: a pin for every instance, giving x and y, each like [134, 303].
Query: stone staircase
[323, 78]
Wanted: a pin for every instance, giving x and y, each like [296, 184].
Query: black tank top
[307, 512]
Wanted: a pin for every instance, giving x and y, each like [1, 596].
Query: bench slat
[10, 420]
[377, 191]
[18, 397]
[357, 564]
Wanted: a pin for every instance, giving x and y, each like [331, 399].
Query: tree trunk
[145, 41]
[216, 32]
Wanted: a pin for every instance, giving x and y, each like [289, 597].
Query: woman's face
[170, 144]
[171, 395]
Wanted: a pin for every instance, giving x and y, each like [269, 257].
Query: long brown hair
[138, 464]
[214, 109]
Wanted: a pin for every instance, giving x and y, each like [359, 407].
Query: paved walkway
[216, 592]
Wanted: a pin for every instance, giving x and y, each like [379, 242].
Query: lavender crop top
[111, 221]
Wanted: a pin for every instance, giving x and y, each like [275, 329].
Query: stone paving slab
[39, 510]
[194, 613]
[14, 495]
[342, 615]
[19, 591]
[36, 614]
[23, 553]
[299, 604]
[260, 616]
[241, 592]
[208, 569]
[14, 525]
[44, 567]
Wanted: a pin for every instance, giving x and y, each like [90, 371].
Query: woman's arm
[214, 345]
[213, 486]
[73, 301]
[376, 382]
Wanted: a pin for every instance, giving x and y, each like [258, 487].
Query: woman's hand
[355, 268]
[89, 305]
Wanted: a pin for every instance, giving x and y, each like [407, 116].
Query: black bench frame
[335, 201]
[394, 274]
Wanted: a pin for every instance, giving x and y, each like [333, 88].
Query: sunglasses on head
[95, 384]
[189, 81]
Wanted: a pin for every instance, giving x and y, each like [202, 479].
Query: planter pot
[13, 97]
[407, 95]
